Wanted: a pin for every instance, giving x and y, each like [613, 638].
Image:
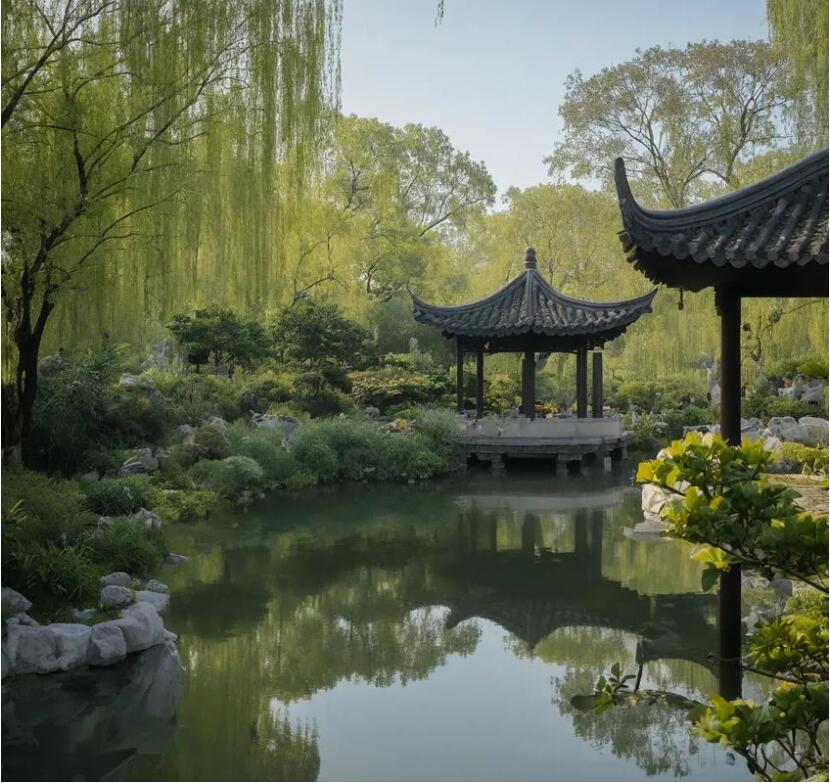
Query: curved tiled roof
[528, 304]
[776, 223]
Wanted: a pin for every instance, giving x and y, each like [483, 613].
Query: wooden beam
[459, 375]
[728, 303]
[479, 384]
[596, 381]
[529, 385]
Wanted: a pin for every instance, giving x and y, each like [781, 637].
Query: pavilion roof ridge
[769, 238]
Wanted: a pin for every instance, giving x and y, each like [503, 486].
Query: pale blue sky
[492, 73]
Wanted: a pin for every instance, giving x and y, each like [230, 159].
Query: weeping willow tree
[149, 146]
[798, 31]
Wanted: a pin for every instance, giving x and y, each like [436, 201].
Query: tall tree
[102, 101]
[678, 116]
[798, 31]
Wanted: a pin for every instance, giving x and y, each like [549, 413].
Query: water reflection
[332, 635]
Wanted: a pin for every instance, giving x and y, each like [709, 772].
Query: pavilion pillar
[728, 303]
[582, 383]
[480, 385]
[596, 381]
[529, 385]
[459, 375]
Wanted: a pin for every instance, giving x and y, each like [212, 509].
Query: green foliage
[608, 689]
[124, 546]
[239, 480]
[764, 407]
[178, 505]
[735, 512]
[813, 368]
[221, 334]
[316, 333]
[322, 402]
[690, 416]
[793, 645]
[116, 496]
[264, 446]
[393, 386]
[197, 396]
[805, 459]
[72, 420]
[656, 395]
[52, 549]
[210, 442]
[501, 394]
[790, 721]
[647, 432]
[809, 602]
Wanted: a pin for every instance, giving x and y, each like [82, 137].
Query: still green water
[424, 632]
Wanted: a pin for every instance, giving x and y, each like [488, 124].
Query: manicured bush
[265, 389]
[237, 479]
[391, 388]
[407, 456]
[113, 497]
[211, 442]
[138, 416]
[657, 396]
[813, 368]
[648, 433]
[314, 453]
[325, 402]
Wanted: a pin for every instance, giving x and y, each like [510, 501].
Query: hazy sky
[492, 73]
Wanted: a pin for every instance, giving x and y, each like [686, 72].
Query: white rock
[218, 423]
[71, 641]
[116, 595]
[83, 614]
[146, 518]
[142, 381]
[654, 500]
[173, 559]
[31, 650]
[106, 644]
[157, 587]
[714, 394]
[120, 578]
[159, 600]
[14, 602]
[783, 427]
[813, 394]
[104, 521]
[91, 477]
[140, 461]
[142, 626]
[7, 664]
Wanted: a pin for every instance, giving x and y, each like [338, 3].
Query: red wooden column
[728, 303]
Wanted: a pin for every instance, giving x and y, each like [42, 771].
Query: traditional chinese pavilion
[767, 239]
[530, 317]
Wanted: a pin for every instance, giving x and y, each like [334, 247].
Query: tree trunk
[27, 339]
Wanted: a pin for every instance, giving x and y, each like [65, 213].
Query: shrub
[648, 432]
[175, 505]
[314, 453]
[325, 402]
[266, 389]
[390, 388]
[656, 396]
[116, 496]
[139, 417]
[72, 411]
[48, 574]
[765, 407]
[407, 456]
[813, 368]
[198, 396]
[804, 458]
[676, 420]
[237, 479]
[502, 393]
[210, 442]
[124, 546]
[786, 368]
[265, 448]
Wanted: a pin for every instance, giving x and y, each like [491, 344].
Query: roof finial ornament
[530, 258]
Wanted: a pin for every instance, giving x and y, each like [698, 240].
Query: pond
[438, 631]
